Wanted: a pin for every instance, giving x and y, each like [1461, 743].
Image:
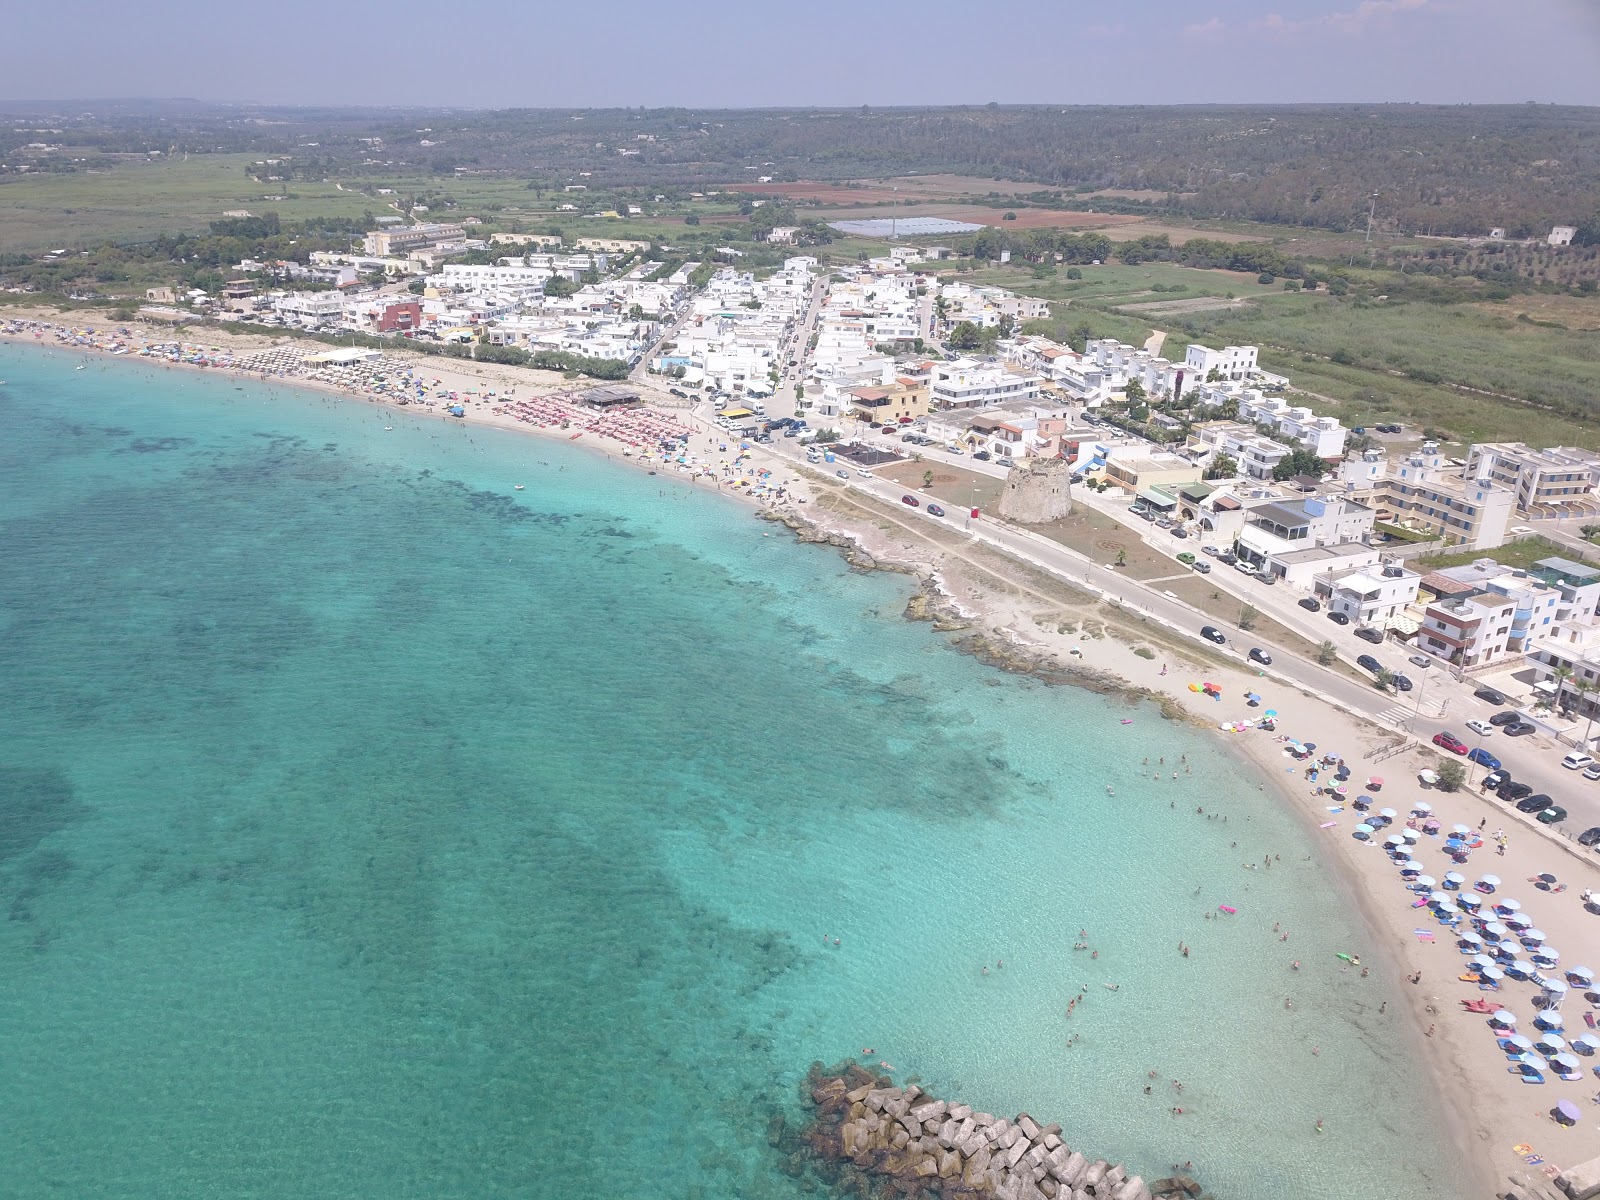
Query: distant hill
[1454, 170]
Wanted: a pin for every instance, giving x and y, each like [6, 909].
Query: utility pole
[1372, 209]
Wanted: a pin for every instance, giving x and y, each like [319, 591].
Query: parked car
[1592, 773]
[1244, 568]
[1228, 557]
[1367, 663]
[1577, 761]
[1186, 559]
[1212, 634]
[842, 474]
[1496, 779]
[1369, 634]
[1203, 567]
[1483, 758]
[1179, 531]
[1402, 683]
[1517, 729]
[1590, 837]
[911, 500]
[1450, 742]
[982, 454]
[1504, 718]
[1211, 550]
[1259, 655]
[1489, 694]
[1552, 815]
[1311, 605]
[1338, 618]
[1535, 804]
[1420, 660]
[1481, 728]
[1511, 792]
[934, 510]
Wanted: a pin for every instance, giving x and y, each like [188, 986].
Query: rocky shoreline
[873, 1139]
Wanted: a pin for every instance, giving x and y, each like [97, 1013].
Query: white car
[864, 473]
[1481, 728]
[1577, 762]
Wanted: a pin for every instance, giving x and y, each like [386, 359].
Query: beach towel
[1329, 824]
[1423, 935]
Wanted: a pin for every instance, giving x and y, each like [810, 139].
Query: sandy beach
[1024, 619]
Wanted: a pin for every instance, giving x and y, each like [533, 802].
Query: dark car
[1367, 663]
[1212, 634]
[984, 455]
[935, 511]
[1450, 742]
[1483, 758]
[1552, 815]
[1180, 532]
[1311, 605]
[1504, 718]
[1496, 779]
[1338, 618]
[1402, 683]
[1261, 656]
[1492, 696]
[1535, 804]
[1512, 792]
[1369, 634]
[1520, 729]
[1229, 557]
[911, 500]
[1590, 836]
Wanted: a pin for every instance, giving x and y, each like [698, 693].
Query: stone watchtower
[1037, 491]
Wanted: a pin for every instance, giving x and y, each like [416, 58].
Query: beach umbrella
[1272, 712]
[1463, 829]
[1310, 745]
[1517, 921]
[1411, 836]
[1518, 969]
[1422, 808]
[1567, 1112]
[1468, 900]
[1362, 832]
[1454, 879]
[1438, 897]
[1388, 812]
[1586, 1043]
[1471, 939]
[1410, 866]
[1375, 782]
[1480, 960]
[1555, 987]
[1580, 976]
[1508, 905]
[1550, 1021]
[1546, 956]
[1493, 974]
[1519, 1043]
[1532, 935]
[1503, 1016]
[1423, 883]
[1427, 776]
[1566, 1062]
[1550, 1042]
[1446, 909]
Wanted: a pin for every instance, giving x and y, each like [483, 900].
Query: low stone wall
[900, 1141]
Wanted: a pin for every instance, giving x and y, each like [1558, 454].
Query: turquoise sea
[369, 828]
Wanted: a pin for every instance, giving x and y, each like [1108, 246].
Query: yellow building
[610, 245]
[900, 403]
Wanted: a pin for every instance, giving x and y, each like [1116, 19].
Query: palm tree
[1561, 675]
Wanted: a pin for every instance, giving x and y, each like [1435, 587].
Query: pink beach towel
[1329, 824]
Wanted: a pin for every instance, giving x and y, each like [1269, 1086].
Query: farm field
[979, 214]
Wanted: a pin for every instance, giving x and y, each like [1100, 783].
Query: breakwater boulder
[900, 1141]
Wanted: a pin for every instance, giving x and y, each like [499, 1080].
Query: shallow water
[370, 828]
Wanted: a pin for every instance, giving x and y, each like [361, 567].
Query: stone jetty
[900, 1141]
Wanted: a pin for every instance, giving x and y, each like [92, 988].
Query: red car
[915, 503]
[1450, 742]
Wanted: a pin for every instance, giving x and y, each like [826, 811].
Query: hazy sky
[739, 53]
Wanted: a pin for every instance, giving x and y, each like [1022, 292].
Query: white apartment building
[309, 309]
[1372, 595]
[1231, 362]
[1257, 456]
[1549, 485]
[1425, 491]
[1282, 527]
[1467, 630]
[476, 277]
[969, 384]
[385, 243]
